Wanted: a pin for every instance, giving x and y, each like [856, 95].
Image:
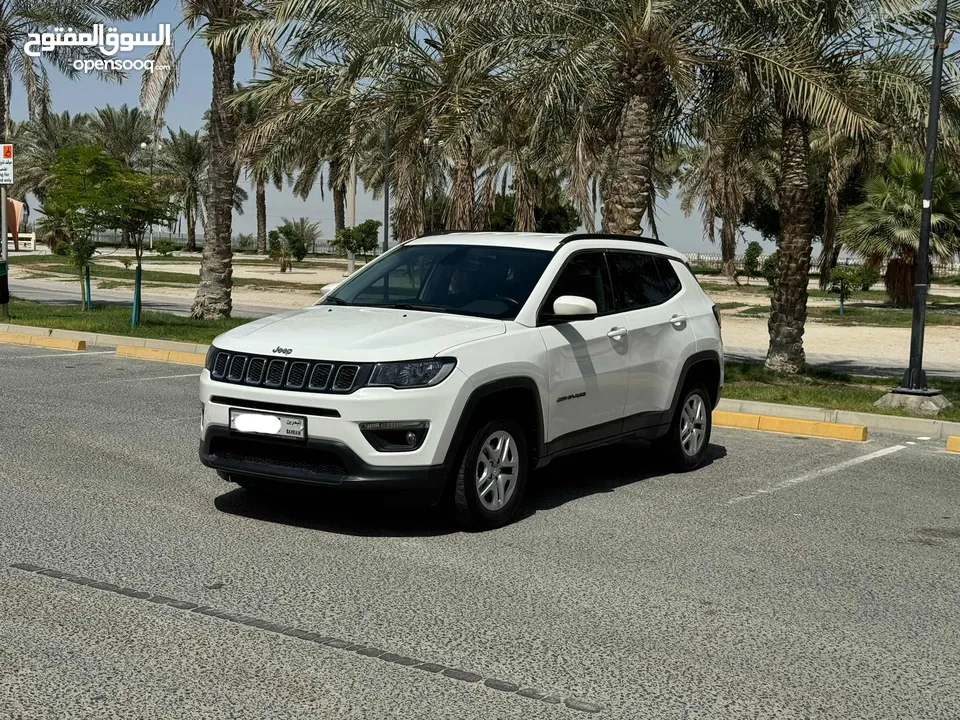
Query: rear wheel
[492, 475]
[686, 443]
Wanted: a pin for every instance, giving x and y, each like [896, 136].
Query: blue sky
[193, 97]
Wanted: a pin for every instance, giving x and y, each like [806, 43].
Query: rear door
[588, 374]
[660, 334]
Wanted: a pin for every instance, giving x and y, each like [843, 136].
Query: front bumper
[319, 462]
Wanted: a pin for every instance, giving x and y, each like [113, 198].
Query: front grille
[288, 374]
[278, 454]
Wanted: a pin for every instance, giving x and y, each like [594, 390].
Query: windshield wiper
[334, 301]
[412, 306]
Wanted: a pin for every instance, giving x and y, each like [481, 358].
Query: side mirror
[327, 289]
[574, 307]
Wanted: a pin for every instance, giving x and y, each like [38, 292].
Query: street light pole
[914, 380]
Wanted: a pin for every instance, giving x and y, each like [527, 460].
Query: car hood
[358, 334]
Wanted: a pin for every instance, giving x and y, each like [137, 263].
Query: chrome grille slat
[237, 365]
[320, 376]
[255, 370]
[220, 364]
[275, 373]
[297, 375]
[346, 376]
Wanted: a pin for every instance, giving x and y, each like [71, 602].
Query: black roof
[611, 236]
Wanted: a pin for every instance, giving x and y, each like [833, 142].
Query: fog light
[395, 436]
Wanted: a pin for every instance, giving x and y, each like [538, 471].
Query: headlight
[415, 373]
[211, 354]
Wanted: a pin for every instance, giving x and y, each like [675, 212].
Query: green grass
[749, 381]
[110, 285]
[948, 314]
[116, 321]
[62, 266]
[731, 305]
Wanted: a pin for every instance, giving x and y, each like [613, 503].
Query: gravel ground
[789, 578]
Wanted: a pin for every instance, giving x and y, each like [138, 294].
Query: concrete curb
[105, 340]
[791, 426]
[170, 356]
[918, 427]
[953, 443]
[56, 343]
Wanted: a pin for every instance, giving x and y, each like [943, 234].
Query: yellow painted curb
[41, 341]
[171, 356]
[953, 443]
[790, 426]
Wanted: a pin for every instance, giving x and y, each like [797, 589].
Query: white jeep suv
[454, 365]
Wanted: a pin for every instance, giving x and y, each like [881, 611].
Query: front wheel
[492, 475]
[686, 442]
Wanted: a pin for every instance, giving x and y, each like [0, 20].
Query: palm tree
[38, 142]
[261, 168]
[307, 229]
[183, 164]
[120, 132]
[19, 18]
[885, 228]
[201, 17]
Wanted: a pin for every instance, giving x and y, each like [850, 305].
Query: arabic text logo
[109, 43]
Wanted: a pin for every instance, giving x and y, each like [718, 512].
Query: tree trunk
[789, 301]
[339, 197]
[464, 189]
[728, 244]
[261, 190]
[191, 231]
[213, 299]
[625, 200]
[831, 212]
[524, 202]
[125, 239]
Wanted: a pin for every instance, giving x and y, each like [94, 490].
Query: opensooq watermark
[109, 42]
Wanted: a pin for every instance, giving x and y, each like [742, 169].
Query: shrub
[164, 247]
[286, 244]
[244, 242]
[751, 259]
[126, 262]
[770, 268]
[845, 280]
[869, 276]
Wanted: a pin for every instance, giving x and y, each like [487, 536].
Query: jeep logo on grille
[283, 351]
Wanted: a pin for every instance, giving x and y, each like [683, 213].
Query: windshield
[491, 282]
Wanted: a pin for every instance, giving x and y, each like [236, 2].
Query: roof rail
[612, 236]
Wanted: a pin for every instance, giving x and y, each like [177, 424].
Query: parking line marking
[814, 474]
[362, 648]
[69, 354]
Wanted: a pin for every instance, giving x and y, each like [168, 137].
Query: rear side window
[643, 280]
[670, 283]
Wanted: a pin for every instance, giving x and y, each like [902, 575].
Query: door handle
[616, 333]
[678, 320]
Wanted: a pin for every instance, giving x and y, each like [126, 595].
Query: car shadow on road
[599, 471]
[365, 515]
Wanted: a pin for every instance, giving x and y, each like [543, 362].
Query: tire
[480, 502]
[685, 444]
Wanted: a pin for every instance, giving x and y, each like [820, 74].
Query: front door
[588, 371]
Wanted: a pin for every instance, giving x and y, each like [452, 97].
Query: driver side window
[584, 275]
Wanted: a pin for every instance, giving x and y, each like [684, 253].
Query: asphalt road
[789, 578]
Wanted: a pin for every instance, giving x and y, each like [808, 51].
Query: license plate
[293, 427]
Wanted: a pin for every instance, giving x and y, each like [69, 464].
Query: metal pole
[915, 378]
[352, 210]
[386, 188]
[4, 278]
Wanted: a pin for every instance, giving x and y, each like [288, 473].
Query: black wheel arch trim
[698, 358]
[519, 382]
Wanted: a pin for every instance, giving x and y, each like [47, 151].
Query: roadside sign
[6, 164]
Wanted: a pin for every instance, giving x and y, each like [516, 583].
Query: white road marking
[923, 438]
[77, 353]
[814, 474]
